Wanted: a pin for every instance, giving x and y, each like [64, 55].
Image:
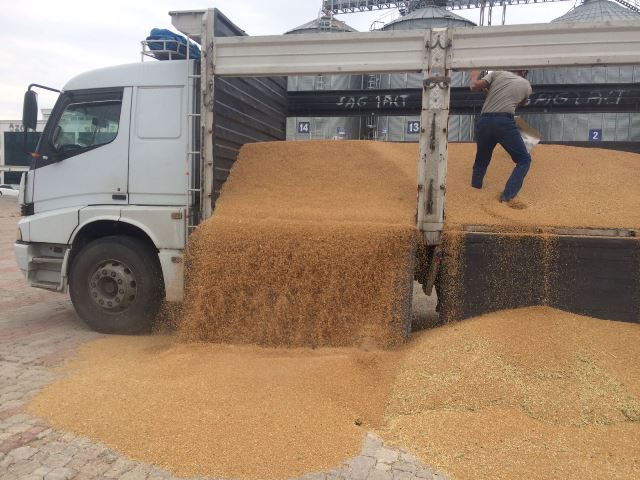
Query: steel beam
[354, 6]
[14, 168]
[351, 6]
[320, 53]
[498, 47]
[432, 162]
[546, 45]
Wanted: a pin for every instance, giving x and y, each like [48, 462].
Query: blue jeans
[491, 130]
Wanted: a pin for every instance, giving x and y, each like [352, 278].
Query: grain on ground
[223, 411]
[531, 393]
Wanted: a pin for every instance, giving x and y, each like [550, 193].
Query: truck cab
[130, 161]
[106, 198]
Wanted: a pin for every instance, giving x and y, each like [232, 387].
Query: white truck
[133, 156]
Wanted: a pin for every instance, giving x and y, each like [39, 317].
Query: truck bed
[593, 273]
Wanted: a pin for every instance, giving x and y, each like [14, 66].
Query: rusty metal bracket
[432, 139]
[440, 82]
[429, 45]
[430, 198]
[434, 267]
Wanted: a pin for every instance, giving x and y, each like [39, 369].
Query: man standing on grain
[505, 91]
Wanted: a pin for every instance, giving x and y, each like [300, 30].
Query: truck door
[84, 151]
[158, 149]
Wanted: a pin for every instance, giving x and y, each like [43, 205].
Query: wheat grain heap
[220, 410]
[311, 244]
[565, 187]
[532, 393]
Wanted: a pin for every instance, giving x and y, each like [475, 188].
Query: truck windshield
[86, 125]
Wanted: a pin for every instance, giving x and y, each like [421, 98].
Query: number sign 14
[304, 127]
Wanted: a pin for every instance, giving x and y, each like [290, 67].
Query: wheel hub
[113, 286]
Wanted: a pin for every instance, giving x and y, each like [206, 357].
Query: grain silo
[397, 128]
[391, 128]
[608, 127]
[313, 128]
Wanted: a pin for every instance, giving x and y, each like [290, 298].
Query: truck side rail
[499, 47]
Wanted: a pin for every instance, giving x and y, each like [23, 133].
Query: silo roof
[598, 11]
[317, 24]
[429, 13]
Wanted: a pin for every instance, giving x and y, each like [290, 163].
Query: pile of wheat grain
[222, 411]
[311, 244]
[531, 393]
[566, 187]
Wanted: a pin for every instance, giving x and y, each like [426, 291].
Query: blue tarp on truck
[167, 45]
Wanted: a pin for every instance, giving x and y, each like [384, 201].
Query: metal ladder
[192, 154]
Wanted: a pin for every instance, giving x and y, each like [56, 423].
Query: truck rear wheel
[116, 285]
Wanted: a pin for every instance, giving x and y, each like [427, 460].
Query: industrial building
[13, 160]
[580, 106]
[403, 128]
[307, 128]
[576, 127]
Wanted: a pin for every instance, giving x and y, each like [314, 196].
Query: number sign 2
[595, 135]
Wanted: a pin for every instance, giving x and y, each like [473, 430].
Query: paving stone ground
[39, 330]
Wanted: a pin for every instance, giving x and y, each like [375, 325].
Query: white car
[8, 190]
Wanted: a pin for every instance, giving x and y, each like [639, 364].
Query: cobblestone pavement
[39, 330]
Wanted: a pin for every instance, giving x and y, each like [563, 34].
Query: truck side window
[86, 125]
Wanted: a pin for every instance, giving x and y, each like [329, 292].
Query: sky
[50, 41]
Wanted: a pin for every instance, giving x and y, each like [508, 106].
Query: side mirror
[30, 110]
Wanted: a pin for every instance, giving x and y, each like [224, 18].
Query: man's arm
[477, 84]
[526, 99]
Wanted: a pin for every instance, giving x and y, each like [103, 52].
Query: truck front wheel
[116, 285]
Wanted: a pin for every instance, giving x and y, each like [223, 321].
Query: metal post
[206, 112]
[432, 165]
